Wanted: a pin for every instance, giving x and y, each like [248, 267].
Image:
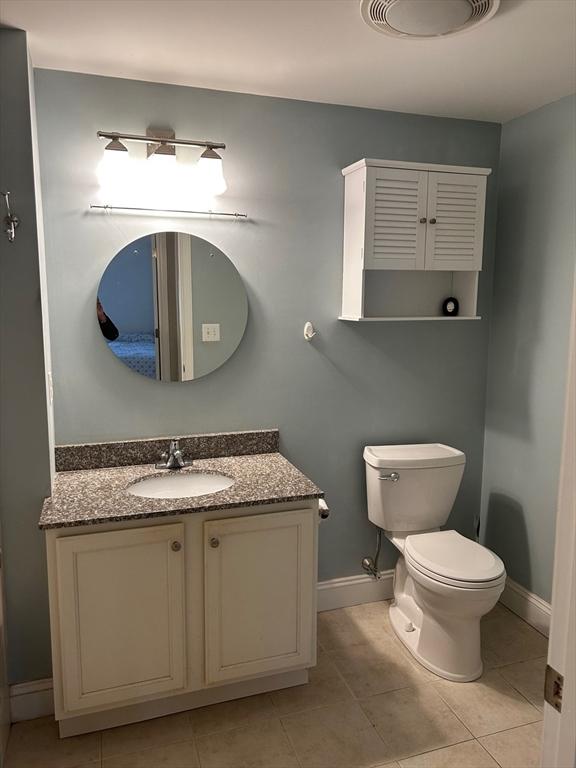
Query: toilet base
[440, 625]
[410, 640]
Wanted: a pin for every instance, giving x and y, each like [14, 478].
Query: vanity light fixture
[163, 143]
[164, 179]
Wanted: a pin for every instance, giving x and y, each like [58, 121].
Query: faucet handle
[174, 445]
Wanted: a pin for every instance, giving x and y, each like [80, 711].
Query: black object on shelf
[450, 307]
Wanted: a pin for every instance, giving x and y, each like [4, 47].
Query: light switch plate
[210, 331]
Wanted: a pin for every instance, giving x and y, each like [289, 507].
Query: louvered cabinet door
[455, 229]
[395, 203]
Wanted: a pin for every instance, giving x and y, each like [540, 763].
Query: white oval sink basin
[178, 485]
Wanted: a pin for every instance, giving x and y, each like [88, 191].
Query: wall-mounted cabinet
[413, 236]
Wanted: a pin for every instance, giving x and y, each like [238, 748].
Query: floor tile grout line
[491, 733]
[526, 699]
[144, 749]
[249, 724]
[342, 678]
[544, 658]
[291, 743]
[453, 710]
[148, 748]
[489, 753]
[504, 730]
[197, 751]
[329, 706]
[439, 749]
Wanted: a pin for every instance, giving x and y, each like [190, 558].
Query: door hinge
[553, 688]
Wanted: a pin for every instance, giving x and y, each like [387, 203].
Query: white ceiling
[315, 50]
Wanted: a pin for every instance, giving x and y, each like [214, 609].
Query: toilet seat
[449, 558]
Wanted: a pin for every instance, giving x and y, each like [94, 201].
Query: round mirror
[172, 306]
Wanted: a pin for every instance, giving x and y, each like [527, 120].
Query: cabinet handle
[432, 221]
[423, 220]
[176, 546]
[214, 542]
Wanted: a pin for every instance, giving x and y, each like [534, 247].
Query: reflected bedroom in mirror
[171, 306]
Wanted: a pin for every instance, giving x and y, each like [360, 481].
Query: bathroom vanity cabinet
[413, 236]
[158, 615]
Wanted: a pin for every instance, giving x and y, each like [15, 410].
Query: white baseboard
[528, 606]
[31, 700]
[353, 590]
[35, 699]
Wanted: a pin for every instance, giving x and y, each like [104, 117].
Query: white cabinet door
[455, 230]
[121, 608]
[395, 206]
[259, 594]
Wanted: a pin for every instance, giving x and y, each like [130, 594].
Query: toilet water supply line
[370, 564]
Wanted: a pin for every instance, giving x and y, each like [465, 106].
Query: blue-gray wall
[355, 384]
[536, 253]
[24, 415]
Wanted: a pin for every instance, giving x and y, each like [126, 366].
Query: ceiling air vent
[423, 19]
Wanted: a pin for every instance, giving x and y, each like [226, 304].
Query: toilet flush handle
[393, 477]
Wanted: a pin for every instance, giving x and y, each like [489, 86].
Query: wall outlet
[210, 331]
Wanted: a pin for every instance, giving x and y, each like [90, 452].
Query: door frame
[185, 314]
[162, 334]
[559, 737]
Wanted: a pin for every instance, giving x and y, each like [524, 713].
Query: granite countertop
[91, 496]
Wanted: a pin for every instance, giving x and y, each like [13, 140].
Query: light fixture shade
[116, 146]
[114, 166]
[210, 174]
[165, 150]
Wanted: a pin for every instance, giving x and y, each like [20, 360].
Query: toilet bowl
[439, 599]
[444, 583]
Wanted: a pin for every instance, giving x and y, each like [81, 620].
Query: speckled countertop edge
[89, 497]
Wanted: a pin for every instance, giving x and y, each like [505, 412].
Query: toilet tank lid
[416, 456]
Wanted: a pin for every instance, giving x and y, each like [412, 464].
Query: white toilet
[444, 583]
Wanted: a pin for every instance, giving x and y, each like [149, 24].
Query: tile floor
[367, 704]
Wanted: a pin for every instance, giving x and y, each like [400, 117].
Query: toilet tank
[412, 487]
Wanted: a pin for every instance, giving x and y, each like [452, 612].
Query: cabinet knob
[176, 546]
[432, 221]
[423, 220]
[214, 542]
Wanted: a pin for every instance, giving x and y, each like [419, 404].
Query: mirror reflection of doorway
[173, 334]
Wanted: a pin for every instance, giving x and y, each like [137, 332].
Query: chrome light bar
[115, 136]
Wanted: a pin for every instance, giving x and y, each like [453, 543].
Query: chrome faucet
[173, 458]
